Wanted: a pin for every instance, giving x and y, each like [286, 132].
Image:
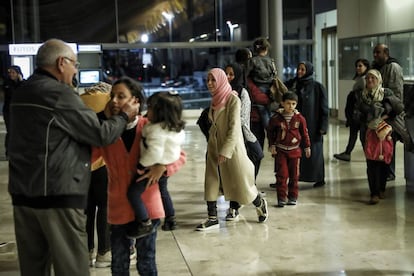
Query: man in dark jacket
[393, 78]
[49, 163]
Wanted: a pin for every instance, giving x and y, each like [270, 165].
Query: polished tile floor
[332, 230]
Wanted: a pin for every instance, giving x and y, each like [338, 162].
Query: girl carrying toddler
[161, 143]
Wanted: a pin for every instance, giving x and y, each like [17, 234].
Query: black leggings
[97, 206]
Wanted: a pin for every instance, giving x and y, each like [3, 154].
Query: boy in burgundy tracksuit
[288, 134]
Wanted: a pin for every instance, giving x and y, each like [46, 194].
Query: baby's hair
[167, 108]
[261, 44]
[135, 88]
[289, 95]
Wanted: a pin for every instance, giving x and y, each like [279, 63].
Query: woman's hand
[308, 152]
[131, 108]
[154, 174]
[221, 159]
[272, 150]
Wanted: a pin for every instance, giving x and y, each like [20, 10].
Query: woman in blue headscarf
[313, 105]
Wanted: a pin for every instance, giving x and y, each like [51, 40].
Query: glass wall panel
[185, 72]
[401, 48]
[293, 54]
[351, 49]
[348, 53]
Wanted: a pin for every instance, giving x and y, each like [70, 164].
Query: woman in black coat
[352, 114]
[313, 105]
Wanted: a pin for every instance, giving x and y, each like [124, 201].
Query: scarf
[375, 94]
[299, 83]
[223, 89]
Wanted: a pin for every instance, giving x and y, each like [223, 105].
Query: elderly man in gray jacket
[51, 132]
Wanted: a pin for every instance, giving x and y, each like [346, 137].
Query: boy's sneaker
[232, 215]
[169, 224]
[291, 201]
[208, 224]
[262, 210]
[281, 203]
[144, 228]
[132, 256]
[103, 260]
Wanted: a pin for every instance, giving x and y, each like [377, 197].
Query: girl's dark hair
[261, 44]
[365, 62]
[136, 90]
[243, 57]
[238, 83]
[167, 108]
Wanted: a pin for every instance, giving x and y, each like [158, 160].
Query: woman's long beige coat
[236, 175]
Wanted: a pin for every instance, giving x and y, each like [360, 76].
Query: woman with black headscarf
[237, 79]
[13, 81]
[313, 105]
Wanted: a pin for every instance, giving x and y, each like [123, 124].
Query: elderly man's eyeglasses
[75, 63]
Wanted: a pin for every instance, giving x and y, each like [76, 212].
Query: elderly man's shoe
[374, 200]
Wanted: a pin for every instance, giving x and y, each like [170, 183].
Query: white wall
[368, 17]
[322, 21]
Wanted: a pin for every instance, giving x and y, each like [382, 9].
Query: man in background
[392, 78]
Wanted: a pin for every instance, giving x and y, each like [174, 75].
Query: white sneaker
[92, 258]
[132, 256]
[103, 260]
[232, 215]
[208, 224]
[261, 211]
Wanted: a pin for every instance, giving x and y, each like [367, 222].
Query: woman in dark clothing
[351, 112]
[235, 76]
[14, 79]
[313, 105]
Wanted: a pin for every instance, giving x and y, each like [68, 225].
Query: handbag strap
[274, 68]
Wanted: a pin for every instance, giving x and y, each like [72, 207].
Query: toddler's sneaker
[103, 260]
[169, 224]
[232, 215]
[209, 224]
[262, 210]
[144, 228]
[281, 203]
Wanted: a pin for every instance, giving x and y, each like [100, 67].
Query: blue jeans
[166, 198]
[264, 110]
[135, 191]
[145, 247]
[264, 114]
